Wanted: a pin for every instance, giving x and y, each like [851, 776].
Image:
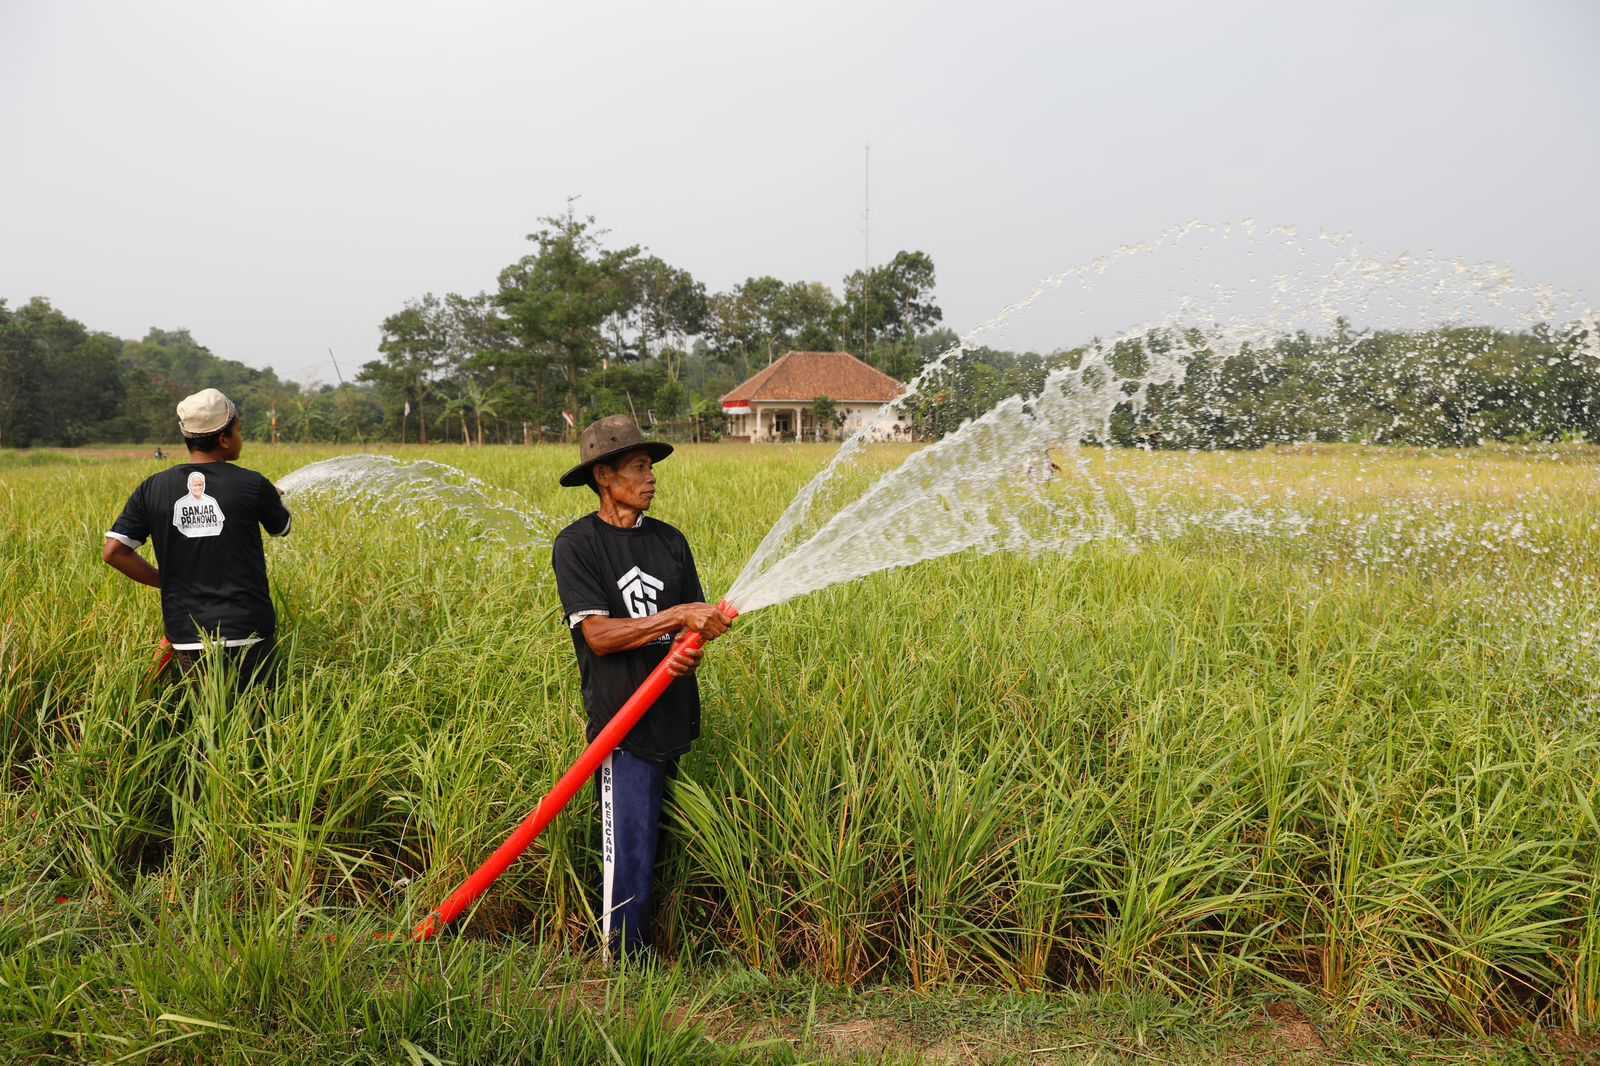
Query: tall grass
[1220, 765]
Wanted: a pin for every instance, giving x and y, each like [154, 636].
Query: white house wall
[855, 416]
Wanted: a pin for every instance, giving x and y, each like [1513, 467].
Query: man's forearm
[607, 636]
[131, 564]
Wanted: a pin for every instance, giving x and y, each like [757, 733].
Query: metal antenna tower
[866, 248]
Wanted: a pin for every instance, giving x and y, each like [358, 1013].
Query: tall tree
[19, 368]
[735, 329]
[890, 305]
[763, 317]
[59, 383]
[671, 306]
[558, 298]
[806, 317]
[415, 343]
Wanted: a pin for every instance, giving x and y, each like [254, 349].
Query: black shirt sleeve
[274, 515]
[132, 527]
[578, 582]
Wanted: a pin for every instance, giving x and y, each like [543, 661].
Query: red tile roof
[805, 376]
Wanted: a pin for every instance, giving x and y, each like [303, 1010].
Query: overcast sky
[279, 176]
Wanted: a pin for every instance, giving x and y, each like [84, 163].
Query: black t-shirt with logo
[629, 573]
[204, 521]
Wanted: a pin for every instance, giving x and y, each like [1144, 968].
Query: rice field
[1318, 733]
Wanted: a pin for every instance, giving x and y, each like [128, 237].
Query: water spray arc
[1036, 472]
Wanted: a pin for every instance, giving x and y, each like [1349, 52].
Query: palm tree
[484, 402]
[459, 404]
[477, 399]
[305, 418]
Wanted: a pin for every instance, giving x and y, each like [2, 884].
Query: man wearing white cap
[204, 519]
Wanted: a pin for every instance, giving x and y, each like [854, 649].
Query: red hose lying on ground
[558, 797]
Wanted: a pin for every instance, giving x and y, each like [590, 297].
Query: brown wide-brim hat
[605, 439]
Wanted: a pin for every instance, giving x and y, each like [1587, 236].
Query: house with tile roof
[776, 404]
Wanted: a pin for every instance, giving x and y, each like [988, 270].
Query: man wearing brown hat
[204, 519]
[628, 586]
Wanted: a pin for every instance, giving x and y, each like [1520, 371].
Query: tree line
[64, 384]
[1446, 387]
[576, 329]
[571, 331]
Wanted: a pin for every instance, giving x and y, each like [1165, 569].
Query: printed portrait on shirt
[196, 514]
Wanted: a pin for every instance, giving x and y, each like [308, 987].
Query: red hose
[558, 797]
[163, 659]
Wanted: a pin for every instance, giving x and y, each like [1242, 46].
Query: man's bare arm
[607, 636]
[129, 563]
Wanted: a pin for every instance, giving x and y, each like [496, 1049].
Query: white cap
[207, 411]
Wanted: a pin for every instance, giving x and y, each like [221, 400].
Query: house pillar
[799, 430]
[756, 436]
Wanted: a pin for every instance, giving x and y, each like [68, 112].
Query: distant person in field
[628, 587]
[204, 519]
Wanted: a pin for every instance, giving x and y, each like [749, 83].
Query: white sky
[278, 177]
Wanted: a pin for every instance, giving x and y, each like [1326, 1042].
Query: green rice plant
[1175, 898]
[722, 837]
[1061, 847]
[830, 829]
[1350, 763]
[957, 813]
[1581, 993]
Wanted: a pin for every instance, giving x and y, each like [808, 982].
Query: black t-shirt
[205, 521]
[629, 573]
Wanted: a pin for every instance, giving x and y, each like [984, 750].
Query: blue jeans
[631, 790]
